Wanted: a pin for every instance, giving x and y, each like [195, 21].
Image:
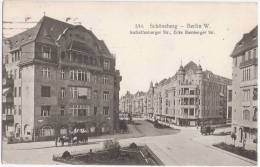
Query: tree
[234, 137]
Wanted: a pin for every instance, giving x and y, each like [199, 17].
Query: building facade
[189, 97]
[64, 77]
[126, 103]
[244, 87]
[133, 104]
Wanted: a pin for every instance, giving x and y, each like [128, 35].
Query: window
[229, 112]
[235, 61]
[246, 95]
[192, 92]
[80, 110]
[83, 110]
[192, 112]
[15, 109]
[95, 110]
[105, 95]
[62, 110]
[15, 72]
[105, 80]
[47, 131]
[45, 111]
[79, 75]
[94, 78]
[249, 55]
[80, 92]
[255, 94]
[46, 91]
[20, 92]
[15, 91]
[88, 76]
[46, 52]
[62, 74]
[95, 94]
[13, 57]
[106, 65]
[254, 53]
[229, 95]
[243, 58]
[45, 72]
[62, 93]
[6, 59]
[192, 101]
[74, 92]
[19, 110]
[105, 110]
[20, 74]
[255, 114]
[246, 115]
[246, 74]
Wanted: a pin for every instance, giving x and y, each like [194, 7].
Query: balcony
[249, 62]
[80, 65]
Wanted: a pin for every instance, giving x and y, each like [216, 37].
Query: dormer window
[46, 52]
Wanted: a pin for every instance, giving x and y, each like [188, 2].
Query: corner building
[191, 96]
[244, 87]
[64, 77]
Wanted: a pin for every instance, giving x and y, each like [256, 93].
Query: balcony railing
[249, 62]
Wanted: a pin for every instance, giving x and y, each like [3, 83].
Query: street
[174, 147]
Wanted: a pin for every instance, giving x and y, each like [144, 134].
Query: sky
[142, 58]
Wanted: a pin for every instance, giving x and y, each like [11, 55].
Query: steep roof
[52, 29]
[248, 41]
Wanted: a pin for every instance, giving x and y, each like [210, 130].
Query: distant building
[126, 103]
[133, 104]
[244, 87]
[63, 77]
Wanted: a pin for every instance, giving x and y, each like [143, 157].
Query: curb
[229, 153]
[235, 155]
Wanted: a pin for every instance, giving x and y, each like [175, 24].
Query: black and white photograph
[155, 83]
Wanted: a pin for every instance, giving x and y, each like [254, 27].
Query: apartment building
[63, 77]
[244, 87]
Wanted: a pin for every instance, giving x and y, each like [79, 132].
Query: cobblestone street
[173, 147]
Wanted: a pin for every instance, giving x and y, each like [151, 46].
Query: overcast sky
[145, 58]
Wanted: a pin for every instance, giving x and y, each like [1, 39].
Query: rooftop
[248, 41]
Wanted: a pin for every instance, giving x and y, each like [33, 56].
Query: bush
[111, 144]
[132, 145]
[66, 155]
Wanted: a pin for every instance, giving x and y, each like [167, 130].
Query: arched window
[27, 130]
[47, 131]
